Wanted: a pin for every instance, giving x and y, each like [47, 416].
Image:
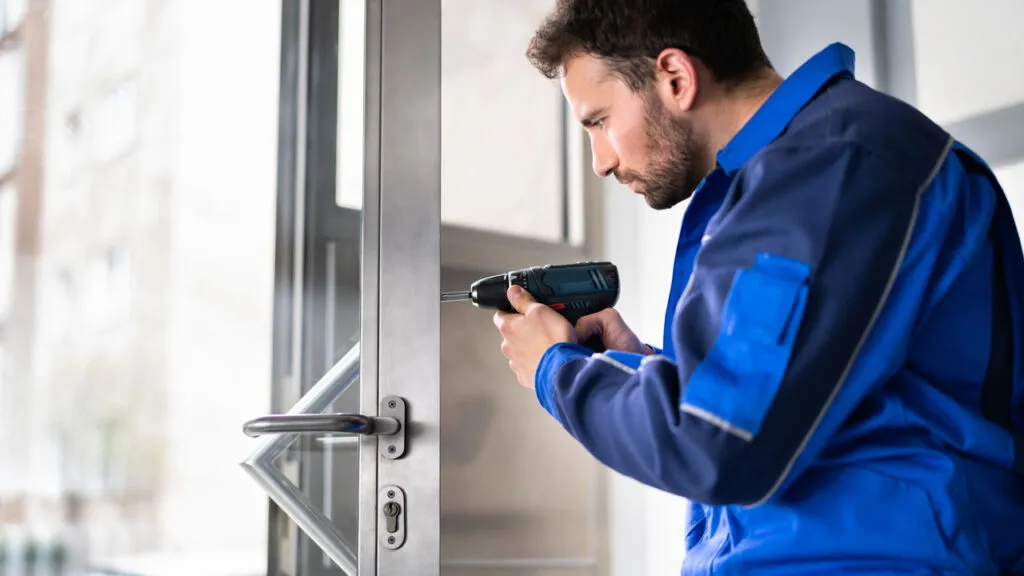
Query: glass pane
[325, 503]
[12, 98]
[8, 205]
[504, 157]
[494, 107]
[140, 336]
[961, 53]
[330, 473]
[503, 127]
[15, 12]
[518, 496]
[351, 92]
[314, 478]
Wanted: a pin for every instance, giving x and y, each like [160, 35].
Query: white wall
[648, 526]
[968, 59]
[794, 30]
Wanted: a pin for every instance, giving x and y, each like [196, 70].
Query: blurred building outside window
[141, 290]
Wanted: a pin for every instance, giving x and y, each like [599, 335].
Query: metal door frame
[404, 47]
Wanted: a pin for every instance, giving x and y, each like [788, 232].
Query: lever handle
[353, 424]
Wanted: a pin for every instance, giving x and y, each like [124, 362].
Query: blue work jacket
[841, 386]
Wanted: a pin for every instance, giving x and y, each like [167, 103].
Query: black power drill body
[572, 290]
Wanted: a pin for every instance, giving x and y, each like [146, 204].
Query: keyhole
[391, 512]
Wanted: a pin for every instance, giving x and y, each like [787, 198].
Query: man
[840, 389]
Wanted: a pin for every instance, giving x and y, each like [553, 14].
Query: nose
[605, 159]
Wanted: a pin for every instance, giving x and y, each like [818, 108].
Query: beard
[677, 159]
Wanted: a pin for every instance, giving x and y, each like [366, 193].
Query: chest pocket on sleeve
[736, 382]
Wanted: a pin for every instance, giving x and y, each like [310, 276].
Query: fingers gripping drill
[572, 290]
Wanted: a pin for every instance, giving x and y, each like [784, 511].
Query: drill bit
[456, 296]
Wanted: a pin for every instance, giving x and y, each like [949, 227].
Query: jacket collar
[785, 102]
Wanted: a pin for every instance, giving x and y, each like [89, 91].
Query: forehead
[589, 85]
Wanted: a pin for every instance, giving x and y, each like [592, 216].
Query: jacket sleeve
[784, 293]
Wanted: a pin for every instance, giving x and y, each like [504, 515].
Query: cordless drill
[572, 290]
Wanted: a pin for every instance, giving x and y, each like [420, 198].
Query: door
[377, 390]
[356, 359]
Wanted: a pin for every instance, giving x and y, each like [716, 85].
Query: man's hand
[612, 329]
[529, 332]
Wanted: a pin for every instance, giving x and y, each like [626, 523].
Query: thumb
[520, 299]
[590, 325]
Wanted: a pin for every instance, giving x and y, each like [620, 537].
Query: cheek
[631, 144]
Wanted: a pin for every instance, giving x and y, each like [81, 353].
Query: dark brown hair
[629, 35]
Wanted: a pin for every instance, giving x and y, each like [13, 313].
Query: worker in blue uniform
[840, 389]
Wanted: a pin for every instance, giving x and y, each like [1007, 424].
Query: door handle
[350, 424]
[307, 417]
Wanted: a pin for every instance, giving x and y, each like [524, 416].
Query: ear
[677, 78]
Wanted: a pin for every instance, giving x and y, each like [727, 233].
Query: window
[116, 120]
[511, 157]
[351, 86]
[968, 60]
[503, 155]
[55, 319]
[12, 12]
[154, 288]
[8, 486]
[119, 43]
[71, 15]
[8, 222]
[108, 288]
[11, 106]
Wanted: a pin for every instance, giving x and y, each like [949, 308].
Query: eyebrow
[591, 119]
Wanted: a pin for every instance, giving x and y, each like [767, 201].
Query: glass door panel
[308, 456]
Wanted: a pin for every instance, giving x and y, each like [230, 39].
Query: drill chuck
[492, 292]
